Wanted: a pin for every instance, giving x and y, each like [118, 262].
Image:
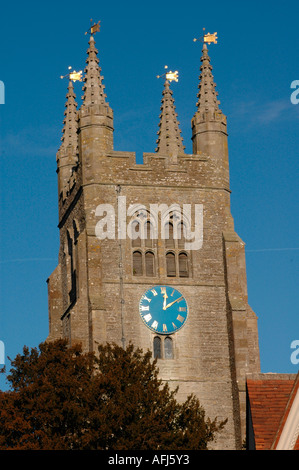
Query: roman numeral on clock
[144, 308]
[147, 317]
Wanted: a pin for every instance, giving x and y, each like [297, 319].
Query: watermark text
[2, 93]
[295, 94]
[2, 353]
[152, 222]
[295, 353]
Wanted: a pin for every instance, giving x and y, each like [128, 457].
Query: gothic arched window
[177, 262]
[137, 263]
[170, 264]
[181, 235]
[148, 232]
[183, 265]
[71, 272]
[169, 241]
[149, 264]
[163, 348]
[157, 348]
[135, 234]
[143, 238]
[168, 348]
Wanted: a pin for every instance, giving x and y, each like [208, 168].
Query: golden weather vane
[170, 76]
[207, 38]
[94, 28]
[74, 76]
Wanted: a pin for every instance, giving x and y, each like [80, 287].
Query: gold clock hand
[163, 292]
[169, 305]
[164, 302]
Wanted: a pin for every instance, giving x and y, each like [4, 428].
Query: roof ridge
[286, 412]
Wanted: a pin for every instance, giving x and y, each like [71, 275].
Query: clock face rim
[153, 330]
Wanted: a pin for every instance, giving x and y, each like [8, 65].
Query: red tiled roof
[268, 400]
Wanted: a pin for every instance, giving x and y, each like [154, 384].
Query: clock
[163, 309]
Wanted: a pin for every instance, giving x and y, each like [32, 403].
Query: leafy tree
[61, 398]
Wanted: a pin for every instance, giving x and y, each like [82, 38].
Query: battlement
[156, 170]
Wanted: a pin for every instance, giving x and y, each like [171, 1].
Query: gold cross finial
[170, 76]
[74, 76]
[94, 28]
[207, 38]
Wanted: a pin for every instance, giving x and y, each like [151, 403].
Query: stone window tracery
[143, 244]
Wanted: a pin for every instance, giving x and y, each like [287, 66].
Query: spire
[95, 115]
[70, 122]
[207, 95]
[93, 87]
[67, 155]
[169, 141]
[209, 126]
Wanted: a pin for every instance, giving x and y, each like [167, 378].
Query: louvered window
[178, 262]
[144, 245]
[149, 264]
[137, 263]
[170, 265]
[183, 265]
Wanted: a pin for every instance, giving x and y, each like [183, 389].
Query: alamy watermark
[295, 353]
[185, 223]
[295, 94]
[2, 93]
[2, 353]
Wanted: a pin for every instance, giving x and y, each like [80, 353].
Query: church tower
[148, 252]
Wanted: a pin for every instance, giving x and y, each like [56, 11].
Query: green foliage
[62, 399]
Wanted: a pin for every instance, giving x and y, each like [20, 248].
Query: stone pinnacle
[169, 140]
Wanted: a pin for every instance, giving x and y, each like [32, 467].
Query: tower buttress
[67, 155]
[209, 124]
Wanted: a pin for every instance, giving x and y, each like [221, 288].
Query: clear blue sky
[254, 63]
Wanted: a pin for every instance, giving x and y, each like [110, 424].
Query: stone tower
[128, 268]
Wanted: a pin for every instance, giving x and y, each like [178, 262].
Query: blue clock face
[163, 309]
